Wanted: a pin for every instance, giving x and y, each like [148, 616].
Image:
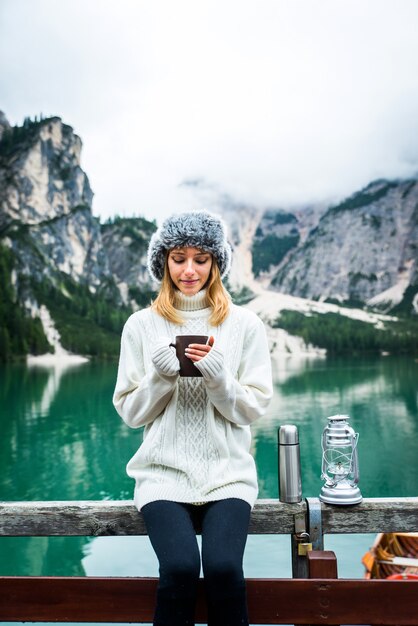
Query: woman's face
[189, 269]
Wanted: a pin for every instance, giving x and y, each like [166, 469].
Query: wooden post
[323, 564]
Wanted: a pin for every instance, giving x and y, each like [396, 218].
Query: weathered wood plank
[373, 515]
[99, 518]
[270, 601]
[71, 518]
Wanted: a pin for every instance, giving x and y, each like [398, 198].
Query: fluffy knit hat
[198, 229]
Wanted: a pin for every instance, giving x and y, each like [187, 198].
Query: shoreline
[49, 359]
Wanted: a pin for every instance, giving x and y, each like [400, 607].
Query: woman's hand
[164, 359]
[197, 351]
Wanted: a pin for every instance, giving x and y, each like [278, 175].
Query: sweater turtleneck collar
[198, 302]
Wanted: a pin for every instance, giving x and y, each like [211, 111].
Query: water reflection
[42, 556]
[41, 407]
[77, 449]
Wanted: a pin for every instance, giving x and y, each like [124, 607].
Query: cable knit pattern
[196, 444]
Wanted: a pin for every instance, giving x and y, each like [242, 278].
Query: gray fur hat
[198, 229]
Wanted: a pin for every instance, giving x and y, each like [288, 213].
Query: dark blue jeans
[224, 527]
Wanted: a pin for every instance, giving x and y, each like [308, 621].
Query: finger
[196, 351]
[200, 347]
[196, 356]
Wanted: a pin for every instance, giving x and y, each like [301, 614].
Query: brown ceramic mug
[187, 367]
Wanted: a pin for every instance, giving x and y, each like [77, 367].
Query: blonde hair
[218, 298]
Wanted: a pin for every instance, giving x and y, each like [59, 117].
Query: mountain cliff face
[126, 243]
[364, 250]
[45, 200]
[55, 253]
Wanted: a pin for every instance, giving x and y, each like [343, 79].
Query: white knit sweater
[196, 444]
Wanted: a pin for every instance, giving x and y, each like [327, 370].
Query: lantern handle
[354, 459]
[324, 474]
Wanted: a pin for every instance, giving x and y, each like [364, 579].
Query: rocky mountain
[54, 252]
[45, 216]
[363, 251]
[126, 242]
[68, 282]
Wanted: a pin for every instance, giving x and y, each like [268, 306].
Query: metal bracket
[300, 534]
[300, 523]
[315, 523]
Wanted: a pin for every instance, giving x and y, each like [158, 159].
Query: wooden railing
[313, 596]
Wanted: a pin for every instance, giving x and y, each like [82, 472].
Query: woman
[194, 465]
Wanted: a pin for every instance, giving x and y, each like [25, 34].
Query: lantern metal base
[342, 493]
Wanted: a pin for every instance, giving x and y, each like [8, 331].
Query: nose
[189, 269]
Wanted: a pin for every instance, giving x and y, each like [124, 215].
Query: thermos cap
[288, 435]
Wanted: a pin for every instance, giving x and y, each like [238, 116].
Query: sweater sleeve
[244, 399]
[141, 396]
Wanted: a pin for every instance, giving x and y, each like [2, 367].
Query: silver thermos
[290, 482]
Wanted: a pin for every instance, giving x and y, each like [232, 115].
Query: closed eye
[199, 261]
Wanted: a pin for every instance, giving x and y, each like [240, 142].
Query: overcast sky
[275, 102]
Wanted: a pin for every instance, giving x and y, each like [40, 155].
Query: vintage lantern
[340, 463]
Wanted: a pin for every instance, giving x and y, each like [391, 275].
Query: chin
[190, 290]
